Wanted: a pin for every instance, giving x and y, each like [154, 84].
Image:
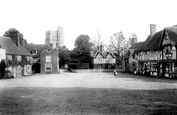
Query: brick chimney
[152, 29]
[18, 39]
[134, 40]
[101, 48]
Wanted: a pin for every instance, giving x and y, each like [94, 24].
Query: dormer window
[34, 52]
[166, 36]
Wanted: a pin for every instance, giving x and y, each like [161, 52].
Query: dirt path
[90, 80]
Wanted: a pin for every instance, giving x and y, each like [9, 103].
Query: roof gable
[36, 47]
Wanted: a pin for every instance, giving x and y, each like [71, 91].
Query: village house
[156, 56]
[18, 59]
[104, 59]
[45, 59]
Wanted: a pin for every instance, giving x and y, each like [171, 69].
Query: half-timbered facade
[157, 55]
[104, 60]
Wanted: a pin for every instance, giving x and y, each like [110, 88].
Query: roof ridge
[5, 37]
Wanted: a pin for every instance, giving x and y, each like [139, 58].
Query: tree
[14, 34]
[63, 56]
[81, 52]
[97, 41]
[117, 42]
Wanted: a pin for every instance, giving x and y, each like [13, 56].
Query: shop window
[109, 66]
[48, 67]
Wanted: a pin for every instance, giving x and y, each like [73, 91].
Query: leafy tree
[13, 34]
[81, 52]
[63, 56]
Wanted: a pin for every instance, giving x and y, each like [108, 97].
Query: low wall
[92, 70]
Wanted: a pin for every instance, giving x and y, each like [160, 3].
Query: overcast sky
[34, 17]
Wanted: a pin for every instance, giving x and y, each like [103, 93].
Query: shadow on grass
[81, 101]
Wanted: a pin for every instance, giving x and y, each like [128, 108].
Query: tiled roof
[10, 47]
[172, 32]
[150, 43]
[154, 43]
[35, 47]
[136, 46]
[104, 54]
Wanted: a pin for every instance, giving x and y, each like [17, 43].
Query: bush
[2, 69]
[78, 66]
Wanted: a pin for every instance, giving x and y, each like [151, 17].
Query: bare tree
[97, 41]
[117, 42]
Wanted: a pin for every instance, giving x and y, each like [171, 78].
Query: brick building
[45, 59]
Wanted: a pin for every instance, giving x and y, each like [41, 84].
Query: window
[173, 48]
[8, 57]
[27, 58]
[166, 36]
[34, 52]
[48, 50]
[48, 58]
[19, 58]
[48, 67]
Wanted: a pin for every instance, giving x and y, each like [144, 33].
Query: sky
[34, 17]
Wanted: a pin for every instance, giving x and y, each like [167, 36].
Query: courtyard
[88, 94]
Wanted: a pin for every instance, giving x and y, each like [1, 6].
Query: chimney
[101, 48]
[152, 29]
[134, 40]
[18, 39]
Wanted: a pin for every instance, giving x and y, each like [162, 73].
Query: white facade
[101, 60]
[2, 54]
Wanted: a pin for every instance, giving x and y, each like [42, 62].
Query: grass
[86, 101]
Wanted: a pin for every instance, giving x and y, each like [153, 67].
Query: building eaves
[10, 47]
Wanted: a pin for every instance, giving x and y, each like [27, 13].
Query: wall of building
[2, 54]
[48, 58]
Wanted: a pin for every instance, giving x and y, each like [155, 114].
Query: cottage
[157, 55]
[45, 59]
[18, 59]
[104, 60]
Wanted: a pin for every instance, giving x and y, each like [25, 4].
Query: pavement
[91, 80]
